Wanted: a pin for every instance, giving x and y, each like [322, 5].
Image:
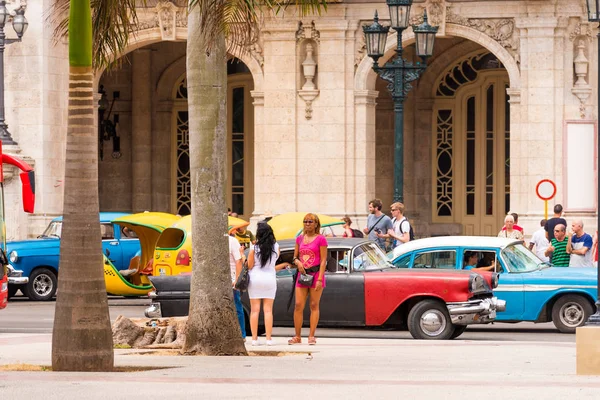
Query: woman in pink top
[310, 257]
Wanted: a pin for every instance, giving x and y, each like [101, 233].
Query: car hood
[567, 276]
[33, 244]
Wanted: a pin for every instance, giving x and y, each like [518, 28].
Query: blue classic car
[35, 262]
[533, 290]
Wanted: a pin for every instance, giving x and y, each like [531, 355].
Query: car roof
[454, 241]
[104, 216]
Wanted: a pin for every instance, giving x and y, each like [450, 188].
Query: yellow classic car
[173, 253]
[134, 281]
[289, 225]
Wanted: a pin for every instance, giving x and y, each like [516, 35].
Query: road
[24, 316]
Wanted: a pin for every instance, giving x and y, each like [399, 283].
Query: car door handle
[114, 243]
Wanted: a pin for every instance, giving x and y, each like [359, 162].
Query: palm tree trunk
[212, 327]
[82, 337]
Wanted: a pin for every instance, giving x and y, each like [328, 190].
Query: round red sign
[545, 189]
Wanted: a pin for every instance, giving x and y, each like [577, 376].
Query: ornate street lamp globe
[3, 13]
[375, 37]
[593, 7]
[20, 23]
[399, 13]
[103, 102]
[425, 38]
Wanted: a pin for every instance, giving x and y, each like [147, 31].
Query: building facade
[507, 99]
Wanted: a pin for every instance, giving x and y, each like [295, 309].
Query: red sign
[545, 189]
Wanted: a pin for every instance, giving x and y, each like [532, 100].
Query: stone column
[162, 126]
[141, 152]
[364, 149]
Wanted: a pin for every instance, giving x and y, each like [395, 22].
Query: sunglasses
[308, 221]
[556, 230]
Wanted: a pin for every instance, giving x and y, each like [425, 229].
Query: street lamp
[399, 73]
[594, 16]
[19, 23]
[107, 129]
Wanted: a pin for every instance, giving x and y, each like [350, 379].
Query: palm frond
[112, 23]
[238, 20]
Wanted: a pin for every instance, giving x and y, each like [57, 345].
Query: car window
[477, 258]
[337, 261]
[443, 259]
[285, 256]
[53, 230]
[369, 257]
[127, 233]
[519, 259]
[403, 262]
[107, 231]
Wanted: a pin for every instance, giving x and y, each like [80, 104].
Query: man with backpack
[402, 232]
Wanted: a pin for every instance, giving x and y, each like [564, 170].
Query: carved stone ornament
[166, 16]
[581, 89]
[440, 13]
[582, 30]
[309, 91]
[307, 32]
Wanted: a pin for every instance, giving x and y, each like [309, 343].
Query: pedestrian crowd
[553, 242]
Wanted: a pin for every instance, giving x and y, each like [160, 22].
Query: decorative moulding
[581, 89]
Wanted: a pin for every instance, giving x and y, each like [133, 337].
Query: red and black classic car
[365, 289]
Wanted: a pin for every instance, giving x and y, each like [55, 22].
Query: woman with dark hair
[263, 283]
[310, 257]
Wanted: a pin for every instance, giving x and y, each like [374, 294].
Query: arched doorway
[240, 147]
[471, 144]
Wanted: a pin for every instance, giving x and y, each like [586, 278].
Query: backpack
[357, 233]
[411, 233]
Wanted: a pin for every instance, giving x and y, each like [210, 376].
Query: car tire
[430, 320]
[570, 312]
[42, 285]
[12, 290]
[458, 330]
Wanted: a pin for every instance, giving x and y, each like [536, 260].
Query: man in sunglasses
[378, 224]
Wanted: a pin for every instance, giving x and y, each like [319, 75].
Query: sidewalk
[335, 368]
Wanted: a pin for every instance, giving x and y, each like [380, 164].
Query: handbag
[305, 279]
[243, 280]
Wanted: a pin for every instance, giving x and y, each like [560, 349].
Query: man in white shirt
[540, 241]
[401, 227]
[235, 265]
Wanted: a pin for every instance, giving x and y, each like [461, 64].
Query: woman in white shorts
[263, 282]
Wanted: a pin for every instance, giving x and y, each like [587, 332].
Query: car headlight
[13, 256]
[477, 284]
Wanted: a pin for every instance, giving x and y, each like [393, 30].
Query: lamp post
[594, 16]
[19, 23]
[399, 72]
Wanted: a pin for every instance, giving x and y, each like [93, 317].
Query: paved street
[24, 316]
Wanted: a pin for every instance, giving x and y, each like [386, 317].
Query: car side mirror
[107, 252]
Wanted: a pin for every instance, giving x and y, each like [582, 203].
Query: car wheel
[429, 319]
[570, 311]
[459, 330]
[42, 285]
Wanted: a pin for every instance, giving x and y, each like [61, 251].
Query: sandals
[312, 340]
[295, 340]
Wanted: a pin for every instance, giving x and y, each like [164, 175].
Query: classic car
[533, 290]
[289, 225]
[173, 253]
[3, 287]
[364, 289]
[35, 261]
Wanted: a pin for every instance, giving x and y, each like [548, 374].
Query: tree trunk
[82, 336]
[212, 327]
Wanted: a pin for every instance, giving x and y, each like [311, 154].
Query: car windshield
[53, 230]
[369, 257]
[519, 259]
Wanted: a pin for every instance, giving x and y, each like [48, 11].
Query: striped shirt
[560, 257]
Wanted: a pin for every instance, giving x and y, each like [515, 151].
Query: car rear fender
[545, 313]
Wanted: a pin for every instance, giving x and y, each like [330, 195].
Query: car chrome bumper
[475, 311]
[15, 276]
[153, 311]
